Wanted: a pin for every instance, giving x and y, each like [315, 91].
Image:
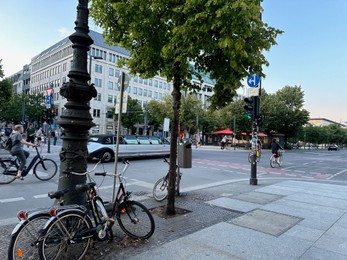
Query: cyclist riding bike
[275, 146]
[17, 148]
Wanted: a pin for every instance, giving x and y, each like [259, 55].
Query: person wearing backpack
[17, 148]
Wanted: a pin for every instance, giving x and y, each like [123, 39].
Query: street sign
[253, 80]
[252, 92]
[49, 100]
[124, 104]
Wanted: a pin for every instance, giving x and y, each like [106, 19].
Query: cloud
[64, 31]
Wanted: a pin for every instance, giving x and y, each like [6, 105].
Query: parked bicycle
[276, 160]
[25, 236]
[70, 232]
[160, 190]
[43, 168]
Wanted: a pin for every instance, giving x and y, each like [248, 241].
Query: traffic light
[249, 107]
[54, 112]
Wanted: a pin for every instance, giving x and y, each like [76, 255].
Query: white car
[104, 146]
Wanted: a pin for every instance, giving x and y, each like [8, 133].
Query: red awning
[260, 134]
[226, 131]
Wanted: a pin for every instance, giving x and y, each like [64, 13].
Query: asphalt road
[211, 167]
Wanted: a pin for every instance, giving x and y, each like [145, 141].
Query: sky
[311, 52]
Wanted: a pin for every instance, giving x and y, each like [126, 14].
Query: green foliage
[6, 94]
[1, 70]
[134, 114]
[12, 110]
[158, 111]
[284, 111]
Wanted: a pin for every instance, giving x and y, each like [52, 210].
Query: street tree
[158, 111]
[283, 111]
[1, 70]
[180, 39]
[6, 94]
[134, 114]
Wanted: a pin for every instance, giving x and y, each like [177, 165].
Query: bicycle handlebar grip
[100, 174]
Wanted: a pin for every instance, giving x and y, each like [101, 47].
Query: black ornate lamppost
[76, 119]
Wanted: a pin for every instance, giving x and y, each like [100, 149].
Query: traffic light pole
[255, 129]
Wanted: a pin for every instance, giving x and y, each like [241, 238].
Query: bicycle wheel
[160, 189]
[280, 159]
[66, 236]
[272, 161]
[24, 237]
[135, 220]
[7, 176]
[45, 169]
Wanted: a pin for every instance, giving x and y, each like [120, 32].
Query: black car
[333, 148]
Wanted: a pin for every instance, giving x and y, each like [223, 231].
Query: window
[140, 91]
[98, 82]
[145, 81]
[96, 112]
[136, 79]
[150, 93]
[160, 96]
[140, 80]
[109, 98]
[155, 94]
[160, 84]
[98, 97]
[156, 83]
[117, 73]
[111, 72]
[150, 82]
[110, 85]
[129, 89]
[109, 114]
[134, 90]
[98, 68]
[145, 92]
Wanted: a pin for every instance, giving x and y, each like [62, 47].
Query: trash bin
[185, 155]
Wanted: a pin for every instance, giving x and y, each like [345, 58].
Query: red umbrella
[259, 134]
[226, 131]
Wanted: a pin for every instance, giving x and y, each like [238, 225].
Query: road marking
[336, 174]
[11, 200]
[40, 196]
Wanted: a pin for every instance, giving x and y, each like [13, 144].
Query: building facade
[49, 70]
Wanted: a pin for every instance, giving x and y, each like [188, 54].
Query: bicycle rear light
[19, 253]
[53, 212]
[22, 215]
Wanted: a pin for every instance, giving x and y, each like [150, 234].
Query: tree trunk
[176, 94]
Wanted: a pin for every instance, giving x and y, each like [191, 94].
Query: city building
[320, 121]
[49, 70]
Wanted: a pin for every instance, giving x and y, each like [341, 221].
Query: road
[211, 167]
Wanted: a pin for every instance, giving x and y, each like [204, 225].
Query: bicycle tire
[272, 161]
[45, 169]
[55, 242]
[24, 237]
[160, 189]
[7, 176]
[135, 220]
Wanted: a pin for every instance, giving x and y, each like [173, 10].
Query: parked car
[333, 147]
[104, 146]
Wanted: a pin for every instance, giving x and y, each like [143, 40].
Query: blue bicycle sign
[253, 80]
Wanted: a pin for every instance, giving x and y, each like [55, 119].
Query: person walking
[30, 134]
[39, 135]
[17, 149]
